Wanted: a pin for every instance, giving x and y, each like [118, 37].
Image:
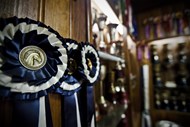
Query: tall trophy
[104, 105]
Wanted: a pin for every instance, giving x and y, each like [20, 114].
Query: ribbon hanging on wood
[33, 59]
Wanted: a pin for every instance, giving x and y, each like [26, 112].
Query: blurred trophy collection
[110, 90]
[106, 36]
[171, 76]
[167, 25]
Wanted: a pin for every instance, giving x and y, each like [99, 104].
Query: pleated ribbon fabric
[81, 73]
[89, 69]
[34, 61]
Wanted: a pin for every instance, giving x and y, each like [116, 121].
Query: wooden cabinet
[168, 91]
[164, 25]
[170, 80]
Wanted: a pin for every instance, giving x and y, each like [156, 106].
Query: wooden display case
[170, 92]
[154, 31]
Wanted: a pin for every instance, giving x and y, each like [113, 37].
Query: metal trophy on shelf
[122, 96]
[95, 29]
[104, 105]
[101, 24]
[168, 66]
[181, 77]
[112, 42]
[110, 92]
[156, 66]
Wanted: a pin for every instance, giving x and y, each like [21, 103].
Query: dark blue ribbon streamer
[90, 105]
[69, 116]
[86, 105]
[82, 100]
[49, 122]
[26, 113]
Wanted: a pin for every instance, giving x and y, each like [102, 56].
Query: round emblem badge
[72, 67]
[89, 63]
[32, 57]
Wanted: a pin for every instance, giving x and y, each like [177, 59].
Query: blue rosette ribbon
[33, 59]
[36, 60]
[89, 64]
[70, 87]
[81, 73]
[70, 84]
[89, 69]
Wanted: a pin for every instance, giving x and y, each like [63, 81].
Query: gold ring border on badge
[36, 49]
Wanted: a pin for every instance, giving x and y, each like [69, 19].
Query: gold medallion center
[89, 63]
[72, 66]
[32, 57]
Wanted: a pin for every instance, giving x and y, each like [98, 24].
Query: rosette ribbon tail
[69, 88]
[32, 113]
[33, 60]
[86, 106]
[89, 68]
[70, 111]
[90, 107]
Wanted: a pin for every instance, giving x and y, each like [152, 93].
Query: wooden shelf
[179, 92]
[169, 40]
[173, 112]
[107, 56]
[172, 88]
[181, 118]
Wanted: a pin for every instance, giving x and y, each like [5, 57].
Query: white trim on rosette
[24, 87]
[66, 86]
[71, 46]
[85, 50]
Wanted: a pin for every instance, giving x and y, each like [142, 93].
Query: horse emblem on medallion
[32, 57]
